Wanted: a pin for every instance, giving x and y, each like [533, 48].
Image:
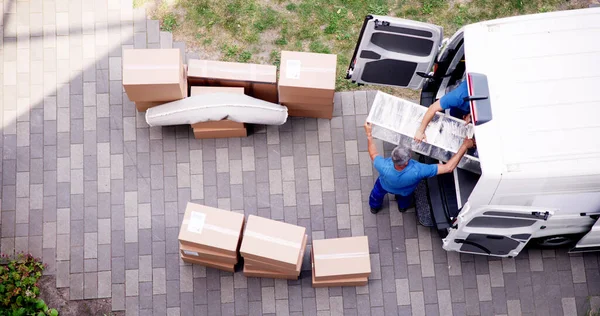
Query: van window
[499, 222]
[403, 44]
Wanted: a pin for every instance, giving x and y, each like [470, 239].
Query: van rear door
[392, 51]
[589, 242]
[496, 230]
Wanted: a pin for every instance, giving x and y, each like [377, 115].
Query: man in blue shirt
[400, 175]
[455, 101]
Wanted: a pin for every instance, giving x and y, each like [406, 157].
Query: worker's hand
[368, 129]
[467, 118]
[420, 136]
[469, 142]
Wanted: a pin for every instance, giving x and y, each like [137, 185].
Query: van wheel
[555, 241]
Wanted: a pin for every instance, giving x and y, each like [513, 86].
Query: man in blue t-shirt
[400, 175]
[455, 101]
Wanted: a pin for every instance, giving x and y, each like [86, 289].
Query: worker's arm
[420, 134]
[453, 162]
[371, 146]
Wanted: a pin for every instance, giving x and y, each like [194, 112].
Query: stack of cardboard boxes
[272, 249]
[210, 237]
[340, 262]
[153, 76]
[218, 129]
[307, 83]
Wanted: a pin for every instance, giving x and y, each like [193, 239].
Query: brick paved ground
[88, 186]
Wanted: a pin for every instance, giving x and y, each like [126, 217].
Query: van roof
[543, 73]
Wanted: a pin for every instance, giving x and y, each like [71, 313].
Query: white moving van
[534, 83]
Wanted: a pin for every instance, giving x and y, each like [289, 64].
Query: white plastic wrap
[396, 121]
[215, 107]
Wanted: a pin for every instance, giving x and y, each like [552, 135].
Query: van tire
[555, 241]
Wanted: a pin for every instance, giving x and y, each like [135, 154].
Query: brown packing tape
[209, 263]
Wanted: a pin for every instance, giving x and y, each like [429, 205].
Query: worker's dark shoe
[402, 210]
[375, 210]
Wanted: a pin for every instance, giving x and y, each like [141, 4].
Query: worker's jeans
[378, 193]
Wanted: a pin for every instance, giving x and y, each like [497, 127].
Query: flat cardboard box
[341, 258]
[205, 254]
[273, 242]
[307, 111]
[209, 263]
[259, 81]
[220, 133]
[152, 75]
[250, 272]
[212, 229]
[360, 281]
[261, 265]
[223, 124]
[200, 90]
[306, 79]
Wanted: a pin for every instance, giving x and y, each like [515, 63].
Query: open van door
[393, 51]
[589, 242]
[496, 230]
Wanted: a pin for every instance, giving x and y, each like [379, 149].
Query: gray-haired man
[400, 175]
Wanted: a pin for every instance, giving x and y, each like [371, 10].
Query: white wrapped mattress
[215, 107]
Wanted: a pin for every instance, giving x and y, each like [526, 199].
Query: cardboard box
[307, 81]
[273, 242]
[259, 81]
[211, 229]
[220, 133]
[302, 111]
[209, 263]
[268, 267]
[341, 258]
[205, 254]
[152, 75]
[257, 273]
[360, 281]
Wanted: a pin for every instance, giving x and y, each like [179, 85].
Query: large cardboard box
[211, 229]
[273, 242]
[358, 281]
[307, 82]
[259, 81]
[218, 129]
[341, 258]
[153, 75]
[209, 263]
